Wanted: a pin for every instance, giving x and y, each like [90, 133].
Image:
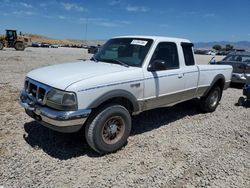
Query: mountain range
[238, 45]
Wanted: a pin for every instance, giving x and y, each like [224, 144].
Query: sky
[197, 20]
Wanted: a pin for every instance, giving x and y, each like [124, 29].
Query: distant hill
[200, 45]
[41, 38]
[208, 45]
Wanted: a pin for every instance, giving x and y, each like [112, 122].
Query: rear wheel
[109, 129]
[210, 102]
[1, 45]
[19, 46]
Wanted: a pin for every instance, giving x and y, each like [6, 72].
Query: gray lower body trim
[172, 99]
[161, 101]
[202, 90]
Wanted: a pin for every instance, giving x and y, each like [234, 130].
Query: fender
[115, 94]
[216, 78]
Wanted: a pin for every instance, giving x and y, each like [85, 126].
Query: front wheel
[19, 46]
[210, 102]
[109, 129]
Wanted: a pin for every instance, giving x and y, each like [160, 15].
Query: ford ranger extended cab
[129, 75]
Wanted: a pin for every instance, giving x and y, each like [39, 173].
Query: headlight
[61, 100]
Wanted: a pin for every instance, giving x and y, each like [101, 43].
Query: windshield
[124, 51]
[237, 58]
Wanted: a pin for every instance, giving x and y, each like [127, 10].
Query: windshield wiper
[116, 61]
[93, 59]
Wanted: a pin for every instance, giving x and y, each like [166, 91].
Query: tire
[241, 101]
[19, 46]
[1, 45]
[210, 102]
[108, 130]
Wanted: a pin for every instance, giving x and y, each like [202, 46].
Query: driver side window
[166, 52]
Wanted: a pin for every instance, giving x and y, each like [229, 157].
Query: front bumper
[61, 121]
[240, 78]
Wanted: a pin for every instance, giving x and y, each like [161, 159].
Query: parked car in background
[211, 53]
[54, 46]
[200, 51]
[240, 62]
[224, 53]
[94, 49]
[35, 44]
[45, 45]
[85, 46]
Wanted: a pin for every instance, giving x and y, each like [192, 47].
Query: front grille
[36, 90]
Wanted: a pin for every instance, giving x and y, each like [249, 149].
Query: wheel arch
[122, 97]
[219, 80]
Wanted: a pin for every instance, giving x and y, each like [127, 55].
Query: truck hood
[63, 75]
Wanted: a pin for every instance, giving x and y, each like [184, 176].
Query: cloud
[92, 20]
[25, 5]
[62, 17]
[115, 2]
[125, 22]
[4, 14]
[104, 22]
[73, 6]
[43, 5]
[164, 25]
[209, 15]
[136, 8]
[21, 12]
[107, 24]
[191, 13]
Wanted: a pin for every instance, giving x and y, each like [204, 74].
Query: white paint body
[91, 80]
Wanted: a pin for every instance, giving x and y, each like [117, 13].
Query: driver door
[164, 82]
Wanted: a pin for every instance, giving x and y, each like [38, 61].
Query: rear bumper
[61, 121]
[240, 78]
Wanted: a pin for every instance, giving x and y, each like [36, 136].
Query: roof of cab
[156, 38]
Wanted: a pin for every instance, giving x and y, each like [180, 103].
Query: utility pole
[86, 30]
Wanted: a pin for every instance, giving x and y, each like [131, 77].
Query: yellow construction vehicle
[12, 40]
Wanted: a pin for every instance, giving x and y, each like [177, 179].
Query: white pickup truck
[128, 75]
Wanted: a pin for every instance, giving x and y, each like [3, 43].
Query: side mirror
[157, 65]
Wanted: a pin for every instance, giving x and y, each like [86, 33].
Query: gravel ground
[168, 147]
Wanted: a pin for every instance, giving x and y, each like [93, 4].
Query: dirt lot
[168, 147]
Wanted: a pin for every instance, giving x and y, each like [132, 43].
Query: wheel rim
[113, 130]
[214, 98]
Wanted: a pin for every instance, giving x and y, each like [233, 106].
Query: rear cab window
[187, 49]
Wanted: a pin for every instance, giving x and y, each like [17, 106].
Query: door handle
[180, 75]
